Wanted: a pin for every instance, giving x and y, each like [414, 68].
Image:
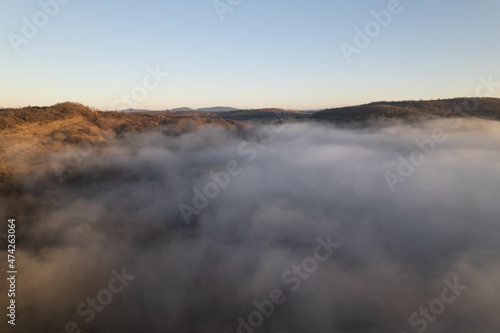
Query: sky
[245, 53]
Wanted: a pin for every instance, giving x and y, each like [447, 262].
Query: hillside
[31, 135]
[486, 108]
[217, 109]
[210, 109]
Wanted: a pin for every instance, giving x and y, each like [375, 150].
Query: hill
[30, 135]
[217, 109]
[262, 115]
[140, 110]
[212, 109]
[485, 108]
[181, 109]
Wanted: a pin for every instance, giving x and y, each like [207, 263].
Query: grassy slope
[487, 108]
[29, 136]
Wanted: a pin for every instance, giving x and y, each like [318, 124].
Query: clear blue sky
[265, 53]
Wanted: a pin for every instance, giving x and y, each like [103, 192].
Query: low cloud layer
[117, 226]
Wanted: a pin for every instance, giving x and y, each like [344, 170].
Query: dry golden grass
[29, 136]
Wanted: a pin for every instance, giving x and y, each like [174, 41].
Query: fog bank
[186, 233]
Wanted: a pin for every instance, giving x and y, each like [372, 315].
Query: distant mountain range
[486, 108]
[142, 110]
[212, 109]
[183, 109]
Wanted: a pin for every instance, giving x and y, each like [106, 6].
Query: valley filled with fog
[300, 227]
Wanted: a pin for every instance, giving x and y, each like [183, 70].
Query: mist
[276, 228]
